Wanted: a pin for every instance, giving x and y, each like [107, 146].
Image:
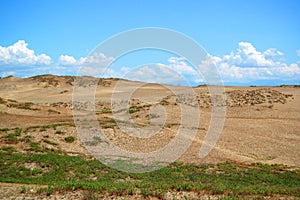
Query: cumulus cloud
[247, 64]
[20, 54]
[97, 60]
[156, 73]
[19, 60]
[67, 60]
[179, 64]
[247, 56]
[244, 65]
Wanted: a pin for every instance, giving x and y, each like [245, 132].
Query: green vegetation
[23, 189]
[59, 132]
[106, 111]
[2, 101]
[133, 109]
[49, 142]
[11, 100]
[53, 126]
[53, 111]
[62, 172]
[108, 123]
[70, 139]
[164, 102]
[12, 137]
[4, 129]
[36, 147]
[26, 105]
[58, 171]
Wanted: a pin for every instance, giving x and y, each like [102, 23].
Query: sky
[250, 42]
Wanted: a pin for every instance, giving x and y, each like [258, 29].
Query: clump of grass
[35, 146]
[25, 106]
[47, 190]
[26, 139]
[96, 140]
[89, 195]
[164, 102]
[2, 101]
[53, 111]
[11, 100]
[59, 132]
[43, 129]
[70, 139]
[133, 109]
[23, 189]
[49, 142]
[106, 111]
[4, 129]
[8, 149]
[12, 138]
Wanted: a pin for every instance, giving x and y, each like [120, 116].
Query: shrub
[70, 139]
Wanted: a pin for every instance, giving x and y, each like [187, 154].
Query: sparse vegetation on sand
[65, 173]
[42, 155]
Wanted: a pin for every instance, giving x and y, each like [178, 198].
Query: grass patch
[106, 111]
[164, 102]
[71, 173]
[2, 101]
[133, 109]
[70, 139]
[11, 100]
[12, 137]
[4, 129]
[53, 126]
[59, 132]
[53, 111]
[37, 148]
[25, 106]
[49, 142]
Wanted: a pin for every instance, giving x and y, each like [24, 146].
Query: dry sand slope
[261, 125]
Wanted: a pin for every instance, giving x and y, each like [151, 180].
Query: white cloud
[248, 64]
[97, 60]
[248, 56]
[272, 52]
[179, 65]
[156, 73]
[67, 60]
[20, 54]
[245, 65]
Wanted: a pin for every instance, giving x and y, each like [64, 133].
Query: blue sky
[252, 42]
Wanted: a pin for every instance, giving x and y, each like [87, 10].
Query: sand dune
[261, 124]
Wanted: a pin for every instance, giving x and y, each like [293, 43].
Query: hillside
[261, 124]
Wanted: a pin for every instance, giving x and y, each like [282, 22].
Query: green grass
[49, 142]
[70, 139]
[62, 172]
[106, 111]
[133, 109]
[25, 106]
[45, 127]
[59, 132]
[12, 137]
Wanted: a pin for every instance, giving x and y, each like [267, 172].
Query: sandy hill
[262, 123]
